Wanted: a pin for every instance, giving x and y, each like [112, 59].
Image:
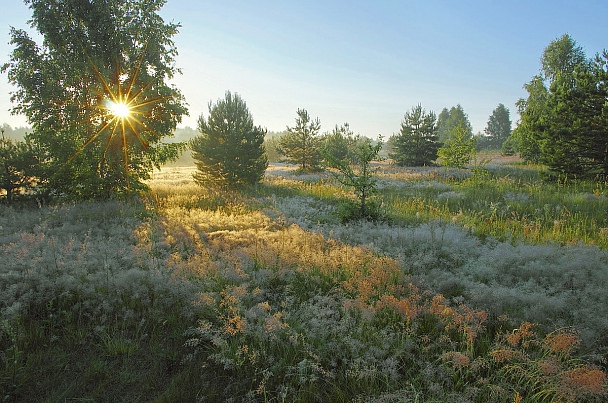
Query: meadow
[485, 286]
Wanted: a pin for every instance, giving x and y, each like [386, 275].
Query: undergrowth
[196, 295]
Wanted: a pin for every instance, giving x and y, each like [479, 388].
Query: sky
[365, 63]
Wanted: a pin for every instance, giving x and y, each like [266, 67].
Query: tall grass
[87, 308]
[507, 205]
[199, 295]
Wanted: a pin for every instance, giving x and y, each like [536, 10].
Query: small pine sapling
[358, 173]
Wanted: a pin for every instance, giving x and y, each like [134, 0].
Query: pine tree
[458, 151]
[449, 120]
[230, 149]
[302, 143]
[417, 143]
[498, 128]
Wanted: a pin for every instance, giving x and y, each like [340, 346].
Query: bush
[350, 210]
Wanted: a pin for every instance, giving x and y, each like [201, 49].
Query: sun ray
[125, 107]
[136, 73]
[89, 141]
[153, 101]
[110, 137]
[125, 151]
[143, 141]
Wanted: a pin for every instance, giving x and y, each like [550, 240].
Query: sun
[124, 105]
[119, 109]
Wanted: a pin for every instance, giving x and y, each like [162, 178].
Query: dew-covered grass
[193, 294]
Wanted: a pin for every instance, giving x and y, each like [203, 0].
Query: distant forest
[14, 133]
[18, 133]
[182, 134]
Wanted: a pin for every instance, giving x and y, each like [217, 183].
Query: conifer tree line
[96, 56]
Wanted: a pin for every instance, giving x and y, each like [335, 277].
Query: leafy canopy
[19, 161]
[230, 149]
[95, 55]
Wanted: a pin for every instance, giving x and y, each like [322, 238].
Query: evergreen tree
[534, 119]
[449, 120]
[458, 151]
[558, 61]
[498, 128]
[563, 121]
[302, 143]
[96, 92]
[576, 141]
[230, 150]
[417, 143]
[338, 145]
[356, 172]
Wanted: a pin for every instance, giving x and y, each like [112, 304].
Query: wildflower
[504, 354]
[405, 307]
[523, 334]
[583, 381]
[561, 341]
[549, 366]
[235, 325]
[457, 359]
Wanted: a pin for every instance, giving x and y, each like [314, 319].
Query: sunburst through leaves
[119, 109]
[124, 109]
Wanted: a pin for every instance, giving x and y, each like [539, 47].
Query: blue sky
[361, 62]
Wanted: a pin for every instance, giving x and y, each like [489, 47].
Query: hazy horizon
[365, 63]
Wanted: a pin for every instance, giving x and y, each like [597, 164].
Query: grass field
[486, 288]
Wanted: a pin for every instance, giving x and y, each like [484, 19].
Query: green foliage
[19, 166]
[337, 145]
[498, 128]
[64, 86]
[271, 144]
[302, 143]
[576, 142]
[350, 210]
[359, 175]
[230, 149]
[509, 147]
[417, 143]
[458, 151]
[534, 118]
[449, 120]
[562, 55]
[563, 120]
